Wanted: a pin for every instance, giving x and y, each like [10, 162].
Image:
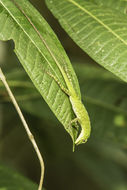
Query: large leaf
[40, 53]
[99, 30]
[11, 180]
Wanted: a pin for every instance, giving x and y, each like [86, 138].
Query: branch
[30, 135]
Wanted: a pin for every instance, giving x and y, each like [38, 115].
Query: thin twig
[30, 135]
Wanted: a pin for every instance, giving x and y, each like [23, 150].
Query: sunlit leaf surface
[100, 30]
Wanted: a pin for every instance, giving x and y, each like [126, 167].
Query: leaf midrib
[98, 20]
[63, 73]
[29, 36]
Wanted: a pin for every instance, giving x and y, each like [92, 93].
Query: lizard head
[83, 137]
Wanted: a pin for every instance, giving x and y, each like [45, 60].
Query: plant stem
[30, 135]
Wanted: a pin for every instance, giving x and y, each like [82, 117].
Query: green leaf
[11, 180]
[40, 53]
[99, 30]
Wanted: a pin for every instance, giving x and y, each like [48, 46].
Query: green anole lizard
[79, 109]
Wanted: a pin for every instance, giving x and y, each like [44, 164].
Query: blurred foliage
[101, 163]
[13, 180]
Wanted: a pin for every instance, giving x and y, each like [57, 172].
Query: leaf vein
[98, 20]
